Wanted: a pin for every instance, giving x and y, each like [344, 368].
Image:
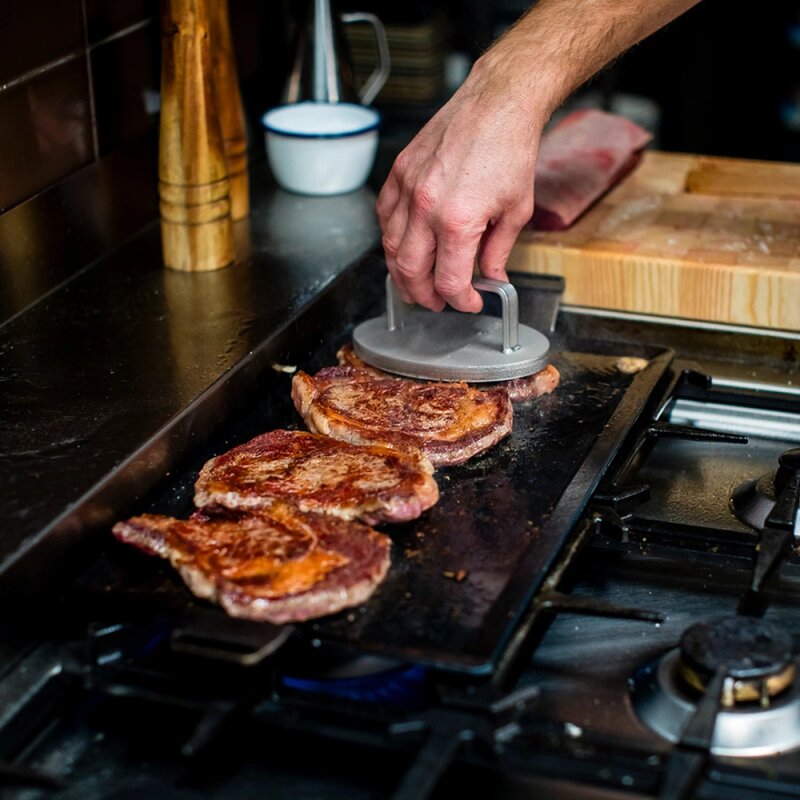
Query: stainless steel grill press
[450, 345]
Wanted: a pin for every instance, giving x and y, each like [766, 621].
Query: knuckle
[382, 207]
[402, 163]
[405, 268]
[423, 198]
[457, 220]
[451, 285]
[521, 211]
[390, 244]
[451, 226]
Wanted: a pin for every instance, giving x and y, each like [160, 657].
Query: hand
[461, 192]
[463, 189]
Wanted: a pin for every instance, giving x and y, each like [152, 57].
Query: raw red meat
[580, 159]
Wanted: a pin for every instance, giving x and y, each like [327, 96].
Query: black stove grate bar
[18, 775]
[687, 762]
[696, 538]
[669, 430]
[777, 535]
[591, 607]
[480, 715]
[432, 761]
[773, 548]
[784, 513]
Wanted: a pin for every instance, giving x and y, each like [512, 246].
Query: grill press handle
[396, 308]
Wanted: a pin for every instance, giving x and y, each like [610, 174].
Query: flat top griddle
[463, 573]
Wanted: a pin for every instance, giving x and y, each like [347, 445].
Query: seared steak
[280, 565]
[449, 422]
[519, 389]
[316, 473]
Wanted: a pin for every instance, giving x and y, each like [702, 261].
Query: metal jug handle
[373, 84]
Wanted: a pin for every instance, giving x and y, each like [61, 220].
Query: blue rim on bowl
[366, 128]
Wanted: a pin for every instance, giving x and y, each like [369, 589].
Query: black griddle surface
[501, 520]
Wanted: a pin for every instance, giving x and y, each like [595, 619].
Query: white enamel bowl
[321, 148]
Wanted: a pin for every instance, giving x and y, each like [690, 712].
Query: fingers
[387, 199]
[432, 234]
[496, 245]
[393, 223]
[455, 259]
[415, 262]
[431, 267]
[408, 242]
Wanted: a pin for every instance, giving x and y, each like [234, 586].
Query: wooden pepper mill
[229, 107]
[193, 186]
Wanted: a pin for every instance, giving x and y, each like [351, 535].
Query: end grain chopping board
[684, 236]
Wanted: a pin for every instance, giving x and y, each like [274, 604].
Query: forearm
[559, 44]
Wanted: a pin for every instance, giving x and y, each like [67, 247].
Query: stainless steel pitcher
[322, 70]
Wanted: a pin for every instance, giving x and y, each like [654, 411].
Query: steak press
[450, 345]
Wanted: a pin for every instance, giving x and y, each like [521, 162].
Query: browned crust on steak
[449, 422]
[316, 473]
[520, 390]
[278, 566]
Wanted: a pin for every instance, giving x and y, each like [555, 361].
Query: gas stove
[637, 638]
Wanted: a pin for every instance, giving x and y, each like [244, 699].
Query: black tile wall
[78, 72]
[35, 33]
[104, 18]
[46, 131]
[78, 79]
[125, 75]
[79, 99]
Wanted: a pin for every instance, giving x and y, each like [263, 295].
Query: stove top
[652, 653]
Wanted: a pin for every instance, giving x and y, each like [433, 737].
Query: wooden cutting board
[684, 236]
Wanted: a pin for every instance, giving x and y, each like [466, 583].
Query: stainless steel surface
[539, 299]
[762, 422]
[452, 346]
[693, 324]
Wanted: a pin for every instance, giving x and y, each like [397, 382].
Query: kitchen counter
[95, 370]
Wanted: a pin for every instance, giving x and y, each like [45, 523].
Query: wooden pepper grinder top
[193, 171]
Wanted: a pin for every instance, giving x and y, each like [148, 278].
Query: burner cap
[661, 700]
[755, 654]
